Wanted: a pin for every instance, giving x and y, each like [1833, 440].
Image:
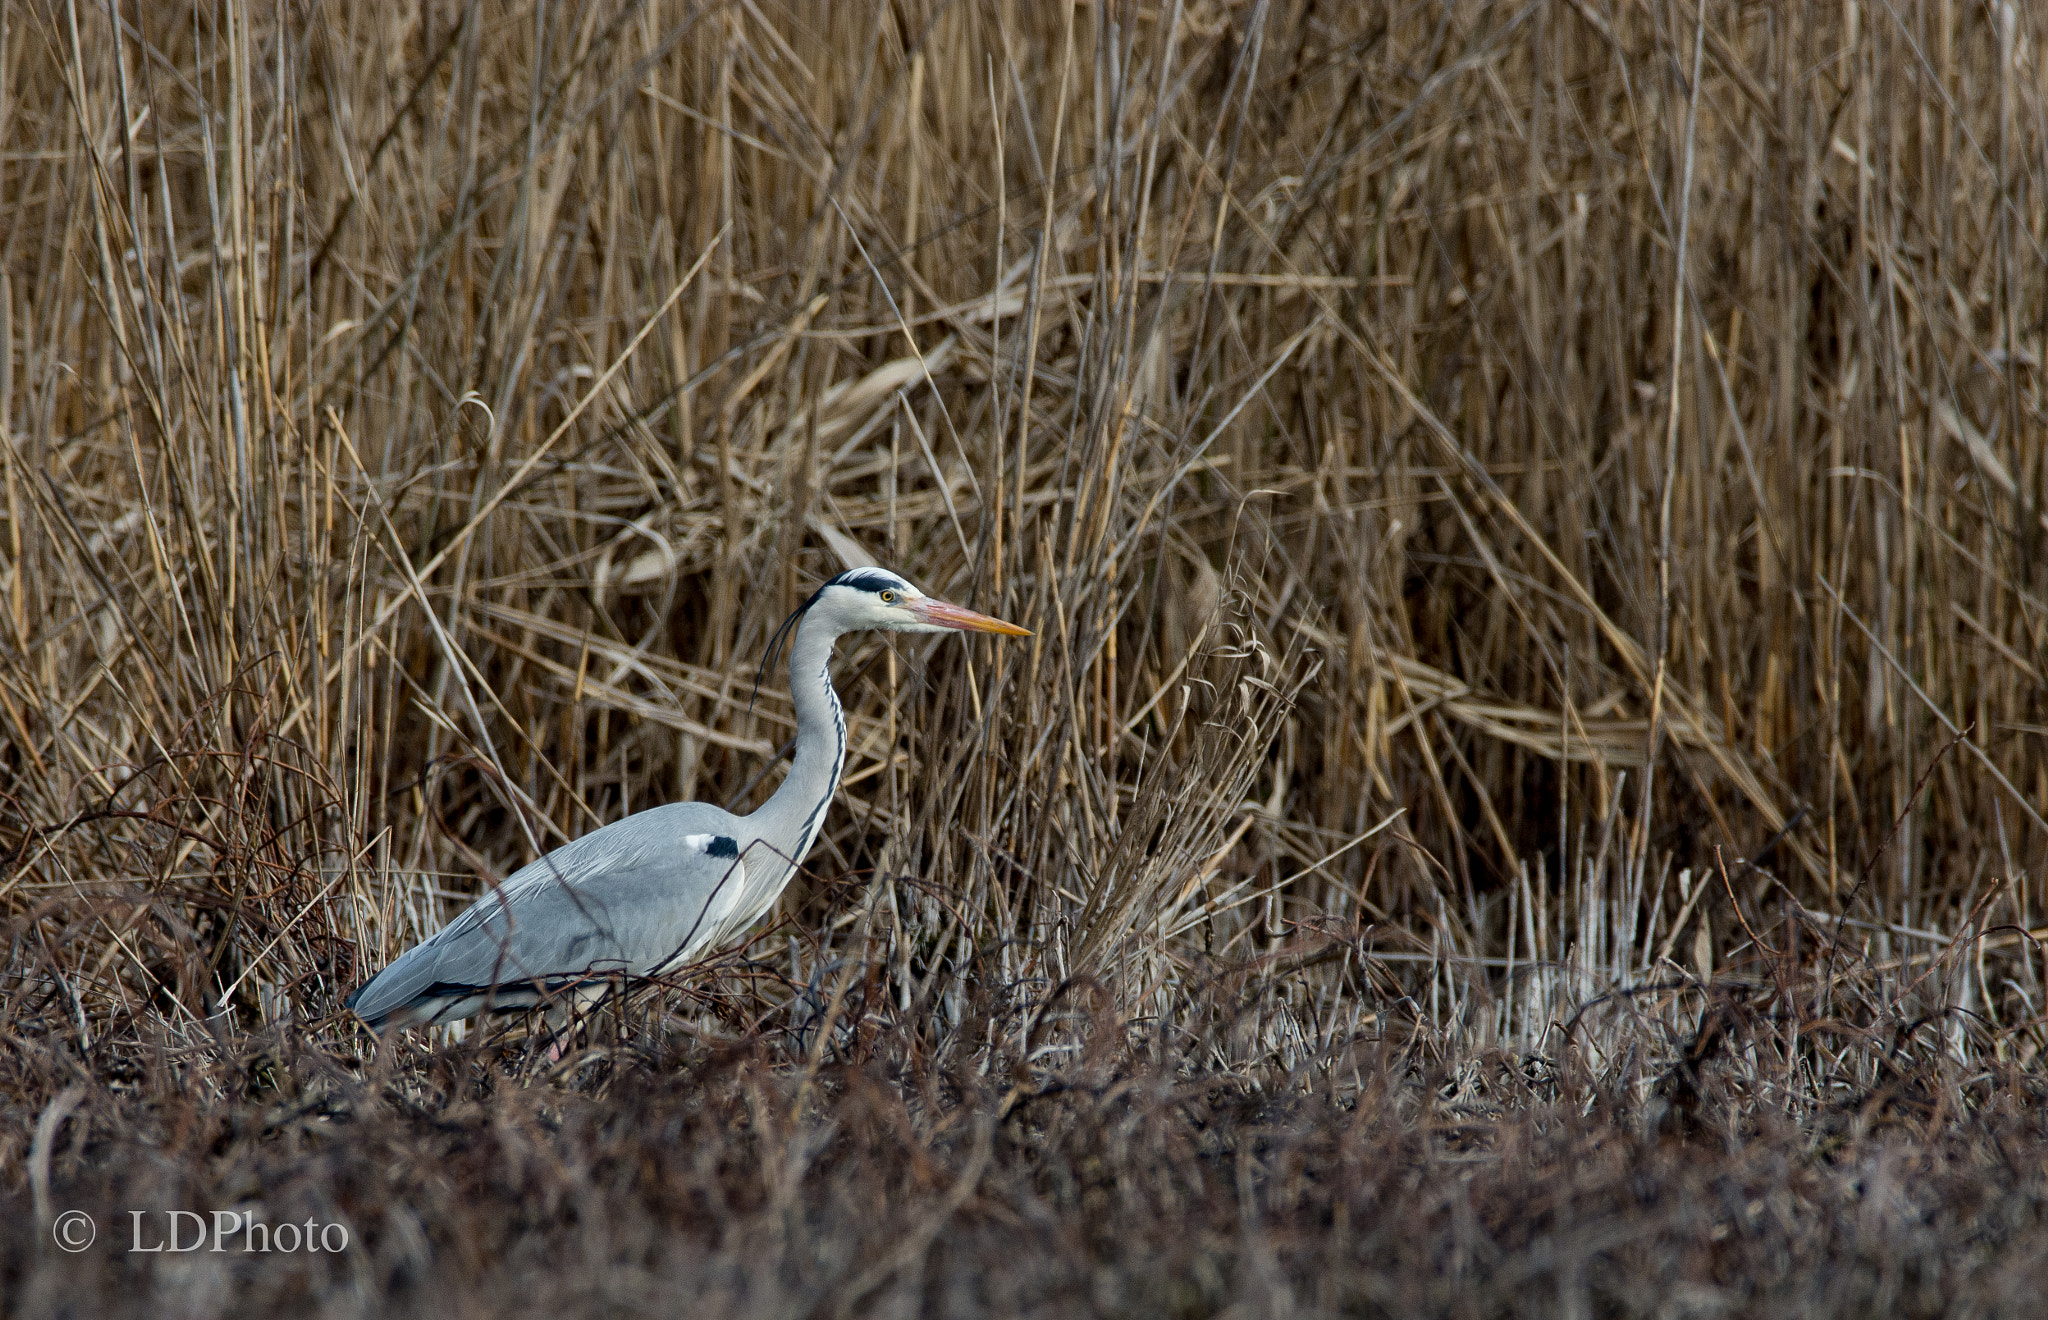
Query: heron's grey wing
[634, 898]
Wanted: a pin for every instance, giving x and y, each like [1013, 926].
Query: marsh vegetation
[1525, 796]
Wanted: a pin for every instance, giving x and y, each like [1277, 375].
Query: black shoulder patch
[722, 846]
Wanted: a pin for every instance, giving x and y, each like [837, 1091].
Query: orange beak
[940, 614]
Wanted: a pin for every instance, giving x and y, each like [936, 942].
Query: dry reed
[1534, 522]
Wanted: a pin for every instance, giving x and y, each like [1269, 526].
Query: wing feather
[639, 896]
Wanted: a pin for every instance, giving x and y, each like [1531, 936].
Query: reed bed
[1534, 745]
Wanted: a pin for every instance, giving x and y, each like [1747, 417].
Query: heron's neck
[791, 819]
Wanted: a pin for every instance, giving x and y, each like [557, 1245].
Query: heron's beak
[941, 615]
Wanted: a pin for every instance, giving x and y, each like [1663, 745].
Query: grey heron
[651, 893]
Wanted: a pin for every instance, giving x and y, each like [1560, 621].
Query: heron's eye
[888, 598]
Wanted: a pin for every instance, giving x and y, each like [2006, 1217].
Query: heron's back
[638, 897]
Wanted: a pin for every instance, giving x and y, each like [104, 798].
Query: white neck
[790, 820]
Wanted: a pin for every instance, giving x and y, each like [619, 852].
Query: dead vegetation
[1526, 795]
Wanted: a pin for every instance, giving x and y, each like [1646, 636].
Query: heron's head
[874, 598]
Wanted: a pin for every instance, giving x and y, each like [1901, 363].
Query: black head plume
[862, 579]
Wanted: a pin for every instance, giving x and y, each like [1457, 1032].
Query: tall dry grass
[1526, 511]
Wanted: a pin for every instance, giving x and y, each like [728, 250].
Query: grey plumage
[656, 891]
